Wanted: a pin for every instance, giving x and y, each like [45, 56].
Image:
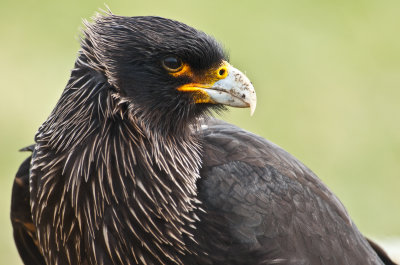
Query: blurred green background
[327, 75]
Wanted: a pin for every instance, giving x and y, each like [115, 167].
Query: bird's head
[169, 72]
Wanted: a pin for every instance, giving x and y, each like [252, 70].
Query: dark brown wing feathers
[24, 229]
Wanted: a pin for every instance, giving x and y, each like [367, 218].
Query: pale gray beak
[234, 90]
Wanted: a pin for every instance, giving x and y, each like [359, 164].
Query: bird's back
[265, 207]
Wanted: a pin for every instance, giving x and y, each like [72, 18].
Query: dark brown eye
[172, 64]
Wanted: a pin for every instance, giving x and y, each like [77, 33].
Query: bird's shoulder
[269, 200]
[234, 152]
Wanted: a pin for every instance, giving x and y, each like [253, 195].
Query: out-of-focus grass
[327, 75]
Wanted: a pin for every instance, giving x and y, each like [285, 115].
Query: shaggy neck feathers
[100, 153]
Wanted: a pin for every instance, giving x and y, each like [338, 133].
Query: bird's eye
[172, 64]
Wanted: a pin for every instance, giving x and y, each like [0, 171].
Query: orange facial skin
[205, 80]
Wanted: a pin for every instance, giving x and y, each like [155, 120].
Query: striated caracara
[130, 169]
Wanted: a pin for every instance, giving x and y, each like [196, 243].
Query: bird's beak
[232, 89]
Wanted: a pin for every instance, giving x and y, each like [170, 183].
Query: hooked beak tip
[253, 107]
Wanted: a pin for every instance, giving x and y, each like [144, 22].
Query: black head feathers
[128, 53]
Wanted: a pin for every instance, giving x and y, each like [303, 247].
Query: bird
[131, 167]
